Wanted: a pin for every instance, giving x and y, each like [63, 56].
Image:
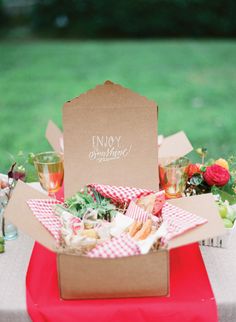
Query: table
[13, 267]
[221, 267]
[220, 264]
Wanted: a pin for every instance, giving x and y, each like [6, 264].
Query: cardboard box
[81, 277]
[111, 111]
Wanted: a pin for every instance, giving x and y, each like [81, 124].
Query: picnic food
[152, 203]
[144, 231]
[135, 227]
[89, 233]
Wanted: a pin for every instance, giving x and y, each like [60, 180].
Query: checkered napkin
[43, 211]
[177, 220]
[119, 195]
[121, 246]
[139, 214]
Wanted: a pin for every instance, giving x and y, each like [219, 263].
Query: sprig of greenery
[202, 152]
[83, 201]
[23, 164]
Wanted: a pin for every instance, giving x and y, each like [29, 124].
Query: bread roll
[135, 227]
[144, 231]
[91, 233]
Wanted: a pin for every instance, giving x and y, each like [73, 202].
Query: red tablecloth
[191, 297]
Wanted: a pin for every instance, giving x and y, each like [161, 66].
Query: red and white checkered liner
[139, 214]
[43, 211]
[121, 246]
[119, 195]
[179, 220]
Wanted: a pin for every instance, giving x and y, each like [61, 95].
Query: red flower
[193, 169]
[215, 175]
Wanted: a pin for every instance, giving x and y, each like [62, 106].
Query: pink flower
[215, 175]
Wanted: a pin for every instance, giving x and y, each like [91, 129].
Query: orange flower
[223, 163]
[193, 169]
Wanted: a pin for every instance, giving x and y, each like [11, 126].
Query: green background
[193, 83]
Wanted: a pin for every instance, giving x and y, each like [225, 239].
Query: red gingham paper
[139, 214]
[121, 246]
[179, 220]
[119, 195]
[43, 211]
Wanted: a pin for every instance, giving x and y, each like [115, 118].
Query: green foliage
[3, 17]
[193, 83]
[196, 179]
[135, 18]
[24, 164]
[81, 202]
[231, 198]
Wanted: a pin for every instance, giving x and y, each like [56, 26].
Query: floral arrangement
[216, 176]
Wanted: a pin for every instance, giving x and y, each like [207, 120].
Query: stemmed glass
[50, 168]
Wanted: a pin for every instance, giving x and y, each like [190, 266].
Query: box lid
[54, 136]
[174, 146]
[205, 206]
[18, 212]
[109, 95]
[110, 137]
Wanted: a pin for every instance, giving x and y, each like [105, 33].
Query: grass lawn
[193, 82]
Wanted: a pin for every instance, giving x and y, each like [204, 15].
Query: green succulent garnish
[83, 201]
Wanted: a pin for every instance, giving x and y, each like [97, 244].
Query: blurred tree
[135, 18]
[3, 16]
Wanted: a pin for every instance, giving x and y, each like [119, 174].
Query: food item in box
[152, 203]
[91, 233]
[135, 227]
[145, 231]
[80, 234]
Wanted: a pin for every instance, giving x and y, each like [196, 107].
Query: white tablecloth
[221, 267]
[13, 267]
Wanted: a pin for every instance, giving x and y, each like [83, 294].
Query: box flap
[176, 146]
[18, 212]
[107, 95]
[110, 137]
[55, 137]
[204, 206]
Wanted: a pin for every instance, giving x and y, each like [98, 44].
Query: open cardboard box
[129, 121]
